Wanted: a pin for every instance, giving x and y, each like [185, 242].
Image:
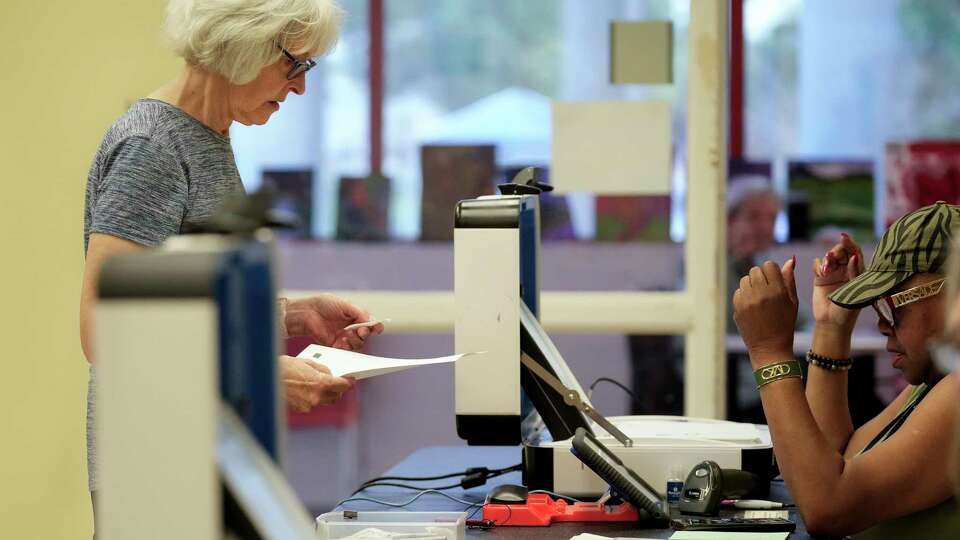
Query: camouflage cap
[916, 243]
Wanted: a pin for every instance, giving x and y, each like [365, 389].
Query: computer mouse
[507, 494]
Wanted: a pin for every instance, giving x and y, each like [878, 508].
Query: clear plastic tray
[336, 525]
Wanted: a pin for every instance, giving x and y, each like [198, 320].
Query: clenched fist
[765, 309]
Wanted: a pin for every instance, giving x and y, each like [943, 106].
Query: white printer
[522, 391]
[663, 446]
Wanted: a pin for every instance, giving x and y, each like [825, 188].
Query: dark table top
[433, 461]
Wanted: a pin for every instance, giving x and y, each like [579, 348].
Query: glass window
[479, 74]
[838, 82]
[466, 73]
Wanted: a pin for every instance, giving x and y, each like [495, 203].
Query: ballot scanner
[522, 390]
[189, 414]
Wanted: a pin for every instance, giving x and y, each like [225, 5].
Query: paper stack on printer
[360, 366]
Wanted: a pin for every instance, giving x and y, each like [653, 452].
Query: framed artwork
[293, 193]
[452, 174]
[827, 196]
[633, 218]
[363, 205]
[918, 174]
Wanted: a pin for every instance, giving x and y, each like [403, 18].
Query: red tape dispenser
[540, 510]
[513, 505]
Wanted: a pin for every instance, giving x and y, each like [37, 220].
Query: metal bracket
[572, 398]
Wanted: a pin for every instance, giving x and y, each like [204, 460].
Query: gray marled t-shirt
[158, 171]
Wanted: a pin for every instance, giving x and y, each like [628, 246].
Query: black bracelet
[826, 362]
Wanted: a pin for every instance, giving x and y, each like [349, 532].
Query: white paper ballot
[360, 366]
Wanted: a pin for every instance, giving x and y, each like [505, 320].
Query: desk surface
[441, 460]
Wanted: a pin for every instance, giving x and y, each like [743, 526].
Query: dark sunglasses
[886, 306]
[299, 66]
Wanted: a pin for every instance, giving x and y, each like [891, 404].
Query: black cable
[487, 524]
[505, 470]
[475, 510]
[404, 486]
[612, 381]
[472, 477]
[411, 501]
[415, 478]
[473, 470]
[509, 515]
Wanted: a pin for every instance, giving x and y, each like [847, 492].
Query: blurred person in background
[752, 208]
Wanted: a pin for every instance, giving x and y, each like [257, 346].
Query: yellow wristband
[775, 372]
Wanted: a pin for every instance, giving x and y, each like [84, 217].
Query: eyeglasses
[886, 306]
[944, 355]
[299, 66]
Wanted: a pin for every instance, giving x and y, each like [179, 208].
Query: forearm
[809, 463]
[86, 330]
[826, 390]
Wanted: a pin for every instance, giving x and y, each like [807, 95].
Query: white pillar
[704, 371]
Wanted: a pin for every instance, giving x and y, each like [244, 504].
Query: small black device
[708, 484]
[622, 479]
[733, 524]
[507, 494]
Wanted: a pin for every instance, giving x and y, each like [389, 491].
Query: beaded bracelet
[825, 362]
[775, 372]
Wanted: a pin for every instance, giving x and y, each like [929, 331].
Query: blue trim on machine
[248, 363]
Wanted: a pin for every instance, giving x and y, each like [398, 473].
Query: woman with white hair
[167, 165]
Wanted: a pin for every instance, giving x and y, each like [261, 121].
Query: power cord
[469, 504]
[472, 477]
[611, 381]
[404, 486]
[418, 478]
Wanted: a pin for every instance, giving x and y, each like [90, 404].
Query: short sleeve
[142, 195]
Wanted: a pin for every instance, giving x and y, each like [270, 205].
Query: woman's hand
[324, 317]
[841, 264]
[765, 310]
[307, 384]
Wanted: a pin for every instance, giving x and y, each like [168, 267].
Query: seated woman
[844, 480]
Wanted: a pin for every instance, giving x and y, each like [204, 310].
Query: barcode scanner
[708, 484]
